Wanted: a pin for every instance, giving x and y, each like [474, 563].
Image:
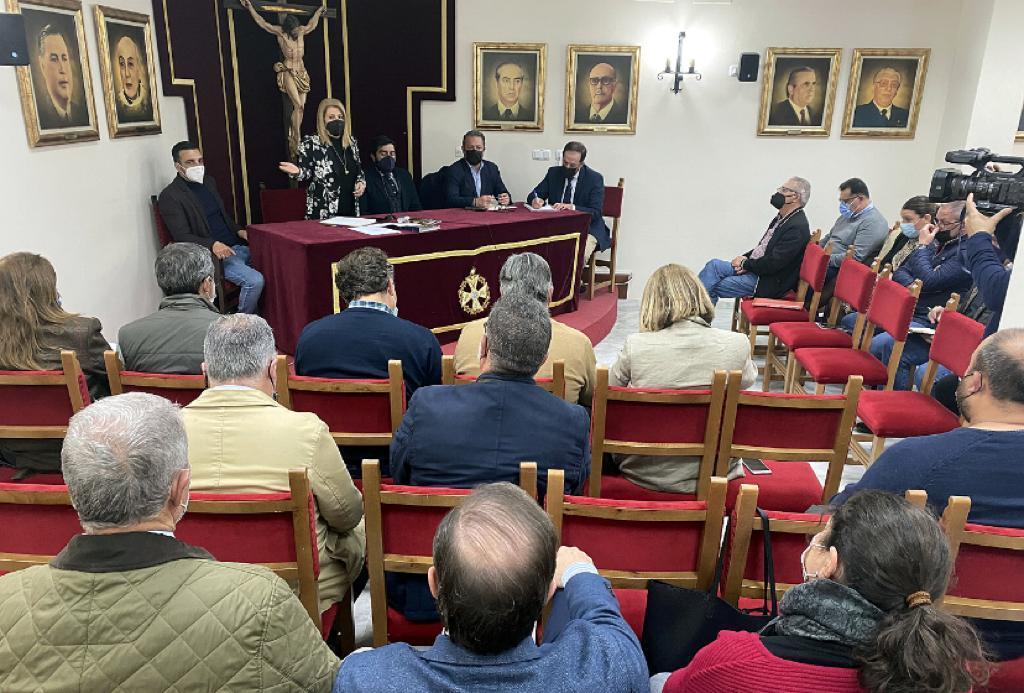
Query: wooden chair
[400, 525]
[284, 204]
[357, 412]
[227, 292]
[47, 511]
[892, 309]
[787, 431]
[632, 542]
[647, 421]
[907, 413]
[180, 389]
[555, 384]
[612, 209]
[38, 404]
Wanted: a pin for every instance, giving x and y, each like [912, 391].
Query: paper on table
[545, 208]
[347, 221]
[915, 329]
[375, 230]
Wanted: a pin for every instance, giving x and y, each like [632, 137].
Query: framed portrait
[508, 86]
[56, 86]
[798, 92]
[601, 85]
[125, 43]
[884, 94]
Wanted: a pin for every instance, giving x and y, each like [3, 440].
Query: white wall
[86, 206]
[698, 179]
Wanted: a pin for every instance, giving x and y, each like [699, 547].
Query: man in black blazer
[772, 267]
[573, 185]
[471, 181]
[603, 109]
[880, 111]
[389, 189]
[508, 81]
[801, 87]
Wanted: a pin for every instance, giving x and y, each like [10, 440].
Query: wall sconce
[678, 75]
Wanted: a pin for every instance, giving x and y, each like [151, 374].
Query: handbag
[679, 621]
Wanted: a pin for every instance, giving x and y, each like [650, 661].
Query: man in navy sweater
[496, 564]
[471, 181]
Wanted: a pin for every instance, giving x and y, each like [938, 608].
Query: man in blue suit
[471, 181]
[574, 185]
[496, 563]
[880, 111]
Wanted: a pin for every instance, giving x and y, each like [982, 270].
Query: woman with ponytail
[865, 618]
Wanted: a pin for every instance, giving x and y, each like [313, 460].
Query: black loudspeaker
[748, 67]
[13, 49]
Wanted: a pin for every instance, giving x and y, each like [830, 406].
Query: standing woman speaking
[329, 160]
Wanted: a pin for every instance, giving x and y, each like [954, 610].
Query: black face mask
[570, 172]
[778, 200]
[474, 156]
[386, 164]
[336, 128]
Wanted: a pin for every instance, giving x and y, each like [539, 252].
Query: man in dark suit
[496, 563]
[59, 106]
[603, 109]
[801, 87]
[880, 111]
[389, 189]
[508, 80]
[193, 212]
[573, 185]
[771, 268]
[471, 181]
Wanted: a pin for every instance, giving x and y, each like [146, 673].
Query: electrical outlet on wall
[734, 70]
[537, 155]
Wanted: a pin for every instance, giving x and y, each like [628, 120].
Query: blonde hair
[28, 301]
[673, 293]
[321, 124]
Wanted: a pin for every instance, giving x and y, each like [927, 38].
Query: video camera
[993, 190]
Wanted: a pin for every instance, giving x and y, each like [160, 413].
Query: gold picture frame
[1020, 127]
[56, 91]
[793, 103]
[619, 68]
[128, 68]
[514, 99]
[901, 71]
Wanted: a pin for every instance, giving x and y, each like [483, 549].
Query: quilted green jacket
[146, 612]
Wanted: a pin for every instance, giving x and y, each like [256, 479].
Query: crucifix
[292, 78]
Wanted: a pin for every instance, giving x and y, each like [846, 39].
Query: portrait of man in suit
[798, 108]
[604, 90]
[885, 90]
[57, 75]
[132, 91]
[880, 111]
[509, 86]
[798, 91]
[508, 81]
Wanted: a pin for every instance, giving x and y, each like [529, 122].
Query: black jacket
[460, 190]
[375, 199]
[183, 215]
[778, 270]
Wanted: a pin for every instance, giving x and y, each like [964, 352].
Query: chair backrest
[47, 510]
[813, 268]
[432, 195]
[635, 541]
[815, 236]
[357, 412]
[38, 404]
[787, 426]
[400, 525]
[648, 421]
[988, 564]
[956, 338]
[854, 285]
[892, 309]
[162, 233]
[555, 384]
[283, 204]
[613, 199]
[275, 530]
[180, 389]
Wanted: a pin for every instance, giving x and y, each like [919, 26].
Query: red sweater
[739, 662]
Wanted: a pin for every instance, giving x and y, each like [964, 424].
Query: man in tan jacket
[241, 441]
[529, 274]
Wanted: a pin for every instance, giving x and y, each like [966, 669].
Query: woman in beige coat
[676, 348]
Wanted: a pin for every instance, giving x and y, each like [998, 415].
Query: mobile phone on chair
[756, 467]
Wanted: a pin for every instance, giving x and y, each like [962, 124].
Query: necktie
[885, 113]
[507, 115]
[595, 118]
[567, 194]
[392, 186]
[804, 120]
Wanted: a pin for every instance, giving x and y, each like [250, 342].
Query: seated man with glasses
[772, 268]
[603, 108]
[860, 225]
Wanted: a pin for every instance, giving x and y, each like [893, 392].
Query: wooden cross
[282, 8]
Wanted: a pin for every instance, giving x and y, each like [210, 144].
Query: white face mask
[195, 173]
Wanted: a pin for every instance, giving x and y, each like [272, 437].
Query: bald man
[880, 112]
[602, 109]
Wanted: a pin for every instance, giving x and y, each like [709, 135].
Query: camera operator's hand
[976, 222]
[926, 234]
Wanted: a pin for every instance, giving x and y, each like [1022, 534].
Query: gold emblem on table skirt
[474, 293]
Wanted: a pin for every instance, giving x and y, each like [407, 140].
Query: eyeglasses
[602, 81]
[848, 200]
[784, 189]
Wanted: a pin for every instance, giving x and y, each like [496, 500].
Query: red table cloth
[444, 278]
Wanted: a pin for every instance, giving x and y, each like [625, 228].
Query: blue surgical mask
[908, 230]
[845, 211]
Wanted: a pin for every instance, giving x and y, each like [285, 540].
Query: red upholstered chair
[47, 511]
[612, 209]
[285, 204]
[906, 413]
[892, 309]
[180, 389]
[227, 292]
[38, 404]
[632, 542]
[555, 384]
[357, 412]
[787, 431]
[400, 526]
[812, 278]
[647, 421]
